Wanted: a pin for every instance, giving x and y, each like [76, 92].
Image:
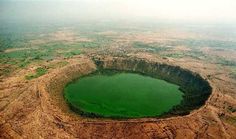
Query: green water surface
[123, 95]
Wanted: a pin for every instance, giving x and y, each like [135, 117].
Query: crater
[163, 90]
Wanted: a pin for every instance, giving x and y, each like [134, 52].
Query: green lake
[123, 95]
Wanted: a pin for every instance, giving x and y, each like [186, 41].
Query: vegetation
[58, 64]
[229, 119]
[196, 43]
[233, 72]
[153, 47]
[193, 54]
[39, 72]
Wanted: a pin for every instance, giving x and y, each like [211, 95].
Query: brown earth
[36, 108]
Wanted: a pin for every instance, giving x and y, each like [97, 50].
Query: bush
[39, 72]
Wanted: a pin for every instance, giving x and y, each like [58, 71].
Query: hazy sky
[181, 10]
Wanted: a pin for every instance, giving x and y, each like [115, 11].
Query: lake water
[123, 95]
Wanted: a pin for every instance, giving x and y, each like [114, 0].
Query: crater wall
[196, 89]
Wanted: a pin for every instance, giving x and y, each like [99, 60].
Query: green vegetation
[72, 53]
[225, 62]
[58, 64]
[5, 71]
[46, 52]
[39, 72]
[153, 47]
[193, 54]
[175, 55]
[21, 52]
[229, 119]
[122, 95]
[233, 72]
[196, 43]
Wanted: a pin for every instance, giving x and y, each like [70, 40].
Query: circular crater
[182, 90]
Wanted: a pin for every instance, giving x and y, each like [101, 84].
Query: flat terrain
[36, 61]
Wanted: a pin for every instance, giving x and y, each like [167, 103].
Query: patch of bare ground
[65, 36]
[15, 49]
[224, 53]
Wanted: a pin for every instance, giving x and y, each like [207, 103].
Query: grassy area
[72, 53]
[196, 43]
[175, 55]
[38, 72]
[44, 52]
[58, 64]
[233, 72]
[193, 54]
[225, 62]
[150, 47]
[229, 119]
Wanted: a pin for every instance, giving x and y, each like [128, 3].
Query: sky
[172, 10]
